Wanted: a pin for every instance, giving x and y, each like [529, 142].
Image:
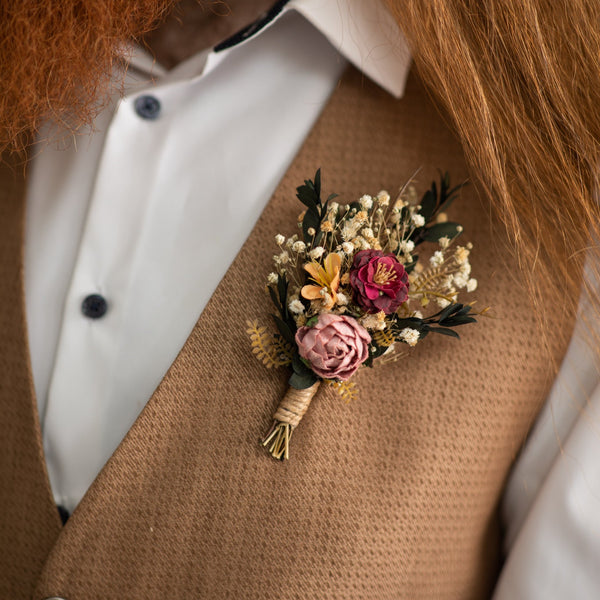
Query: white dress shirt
[150, 212]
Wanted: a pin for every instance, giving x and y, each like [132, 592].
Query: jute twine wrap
[289, 413]
[295, 404]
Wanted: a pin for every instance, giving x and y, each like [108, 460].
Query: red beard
[56, 58]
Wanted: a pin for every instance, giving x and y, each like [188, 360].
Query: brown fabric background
[392, 496]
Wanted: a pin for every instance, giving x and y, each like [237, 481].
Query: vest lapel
[28, 519]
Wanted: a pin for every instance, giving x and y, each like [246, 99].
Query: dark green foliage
[316, 210]
[284, 321]
[432, 204]
[302, 377]
[442, 322]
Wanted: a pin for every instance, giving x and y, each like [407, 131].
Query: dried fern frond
[271, 350]
[431, 279]
[384, 338]
[346, 389]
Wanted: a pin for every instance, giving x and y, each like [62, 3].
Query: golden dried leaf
[271, 350]
[346, 389]
[384, 338]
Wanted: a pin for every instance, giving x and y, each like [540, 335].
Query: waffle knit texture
[390, 497]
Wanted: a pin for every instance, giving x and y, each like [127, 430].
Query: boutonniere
[350, 291]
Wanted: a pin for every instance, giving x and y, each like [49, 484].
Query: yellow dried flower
[326, 280]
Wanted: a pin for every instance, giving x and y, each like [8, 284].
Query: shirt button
[147, 107]
[94, 306]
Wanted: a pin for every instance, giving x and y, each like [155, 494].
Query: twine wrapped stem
[291, 409]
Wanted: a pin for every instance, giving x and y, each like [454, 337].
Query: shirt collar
[365, 33]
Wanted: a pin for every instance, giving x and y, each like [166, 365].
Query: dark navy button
[94, 306]
[147, 107]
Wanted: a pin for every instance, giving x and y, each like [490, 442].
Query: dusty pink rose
[335, 346]
[379, 281]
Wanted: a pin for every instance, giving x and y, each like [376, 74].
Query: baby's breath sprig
[350, 288]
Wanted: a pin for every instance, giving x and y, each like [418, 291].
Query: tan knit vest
[392, 496]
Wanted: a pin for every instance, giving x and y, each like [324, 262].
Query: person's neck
[196, 25]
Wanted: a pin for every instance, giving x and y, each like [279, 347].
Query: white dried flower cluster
[348, 248]
[374, 322]
[383, 198]
[360, 243]
[353, 224]
[296, 307]
[367, 232]
[437, 260]
[418, 220]
[407, 246]
[409, 336]
[395, 218]
[444, 242]
[279, 239]
[461, 254]
[460, 281]
[317, 252]
[272, 278]
[366, 202]
[299, 247]
[342, 299]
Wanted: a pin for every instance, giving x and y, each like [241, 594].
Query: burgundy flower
[379, 281]
[335, 346]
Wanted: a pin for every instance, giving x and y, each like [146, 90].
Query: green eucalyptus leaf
[300, 365]
[410, 322]
[312, 321]
[450, 310]
[311, 219]
[444, 331]
[317, 183]
[285, 330]
[439, 230]
[301, 382]
[375, 351]
[282, 288]
[274, 298]
[455, 321]
[428, 205]
[307, 196]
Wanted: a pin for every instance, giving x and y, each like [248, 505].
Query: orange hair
[520, 81]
